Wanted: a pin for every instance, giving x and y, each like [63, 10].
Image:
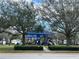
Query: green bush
[70, 48]
[24, 47]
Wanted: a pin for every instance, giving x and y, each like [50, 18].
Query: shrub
[24, 47]
[70, 48]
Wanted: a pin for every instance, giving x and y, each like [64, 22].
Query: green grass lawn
[10, 49]
[6, 48]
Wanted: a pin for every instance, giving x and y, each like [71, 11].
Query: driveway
[39, 56]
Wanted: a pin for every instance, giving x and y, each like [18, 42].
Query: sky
[26, 0]
[37, 3]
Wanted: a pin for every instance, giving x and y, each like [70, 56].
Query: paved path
[39, 56]
[46, 49]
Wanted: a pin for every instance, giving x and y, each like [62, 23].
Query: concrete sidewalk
[39, 56]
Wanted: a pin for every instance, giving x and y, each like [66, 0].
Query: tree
[7, 14]
[25, 17]
[39, 28]
[3, 22]
[20, 14]
[63, 16]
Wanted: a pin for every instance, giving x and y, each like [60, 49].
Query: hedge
[24, 47]
[70, 48]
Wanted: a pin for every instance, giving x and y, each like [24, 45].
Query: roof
[36, 33]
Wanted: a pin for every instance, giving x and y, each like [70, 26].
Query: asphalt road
[39, 56]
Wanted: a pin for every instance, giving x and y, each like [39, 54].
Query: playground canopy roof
[36, 33]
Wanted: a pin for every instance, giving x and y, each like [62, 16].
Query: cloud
[16, 0]
[29, 0]
[26, 0]
[37, 1]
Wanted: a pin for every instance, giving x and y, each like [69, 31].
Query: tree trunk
[68, 41]
[23, 35]
[74, 42]
[23, 38]
[10, 42]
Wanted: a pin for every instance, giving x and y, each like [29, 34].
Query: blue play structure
[37, 37]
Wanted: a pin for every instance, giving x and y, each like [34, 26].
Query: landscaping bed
[60, 48]
[28, 47]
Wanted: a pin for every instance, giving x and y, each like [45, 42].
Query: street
[39, 55]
